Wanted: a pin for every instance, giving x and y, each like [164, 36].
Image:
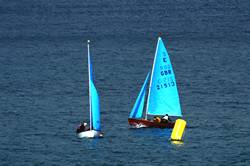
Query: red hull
[139, 123]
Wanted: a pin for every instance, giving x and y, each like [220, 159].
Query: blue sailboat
[94, 129]
[163, 98]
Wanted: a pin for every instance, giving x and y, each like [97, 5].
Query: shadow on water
[152, 137]
[177, 143]
[91, 143]
[153, 132]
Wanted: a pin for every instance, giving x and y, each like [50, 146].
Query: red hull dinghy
[140, 123]
[162, 98]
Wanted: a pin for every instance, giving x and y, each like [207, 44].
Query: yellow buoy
[178, 130]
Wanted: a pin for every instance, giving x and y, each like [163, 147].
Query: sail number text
[166, 85]
[165, 82]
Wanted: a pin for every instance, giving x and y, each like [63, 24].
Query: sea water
[44, 80]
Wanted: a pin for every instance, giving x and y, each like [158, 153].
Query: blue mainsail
[137, 110]
[94, 105]
[163, 95]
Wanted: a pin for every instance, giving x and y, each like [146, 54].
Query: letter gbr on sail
[163, 95]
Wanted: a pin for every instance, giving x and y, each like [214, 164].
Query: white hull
[90, 134]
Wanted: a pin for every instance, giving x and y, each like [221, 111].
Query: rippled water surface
[44, 92]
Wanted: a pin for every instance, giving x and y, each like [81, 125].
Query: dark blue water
[43, 80]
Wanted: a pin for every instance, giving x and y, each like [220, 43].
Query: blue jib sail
[138, 106]
[163, 94]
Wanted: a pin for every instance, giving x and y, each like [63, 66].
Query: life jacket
[157, 119]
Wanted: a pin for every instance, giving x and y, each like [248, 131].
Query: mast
[152, 74]
[89, 71]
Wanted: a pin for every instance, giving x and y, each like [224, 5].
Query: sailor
[157, 119]
[165, 118]
[82, 127]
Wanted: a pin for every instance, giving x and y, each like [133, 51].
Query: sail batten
[163, 95]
